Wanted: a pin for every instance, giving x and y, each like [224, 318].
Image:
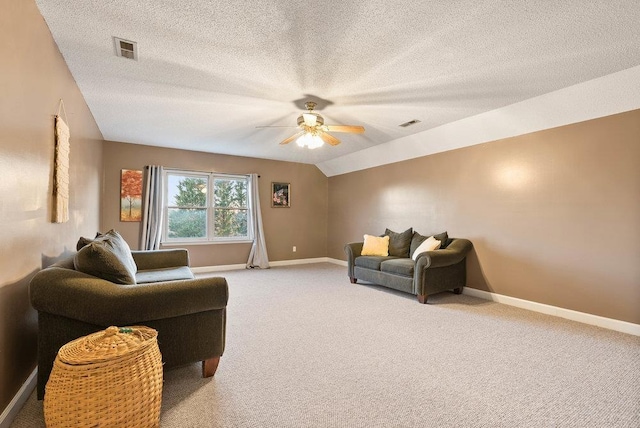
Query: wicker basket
[112, 378]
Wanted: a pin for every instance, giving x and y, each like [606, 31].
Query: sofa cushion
[401, 266]
[375, 246]
[371, 262]
[418, 239]
[107, 257]
[399, 243]
[429, 244]
[164, 274]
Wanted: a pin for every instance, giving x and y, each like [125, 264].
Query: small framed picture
[280, 195]
[130, 195]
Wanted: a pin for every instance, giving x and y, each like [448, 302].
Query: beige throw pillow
[429, 244]
[375, 246]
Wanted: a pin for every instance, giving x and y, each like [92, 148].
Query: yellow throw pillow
[429, 244]
[375, 246]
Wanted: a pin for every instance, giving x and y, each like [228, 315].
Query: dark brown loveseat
[188, 313]
[431, 271]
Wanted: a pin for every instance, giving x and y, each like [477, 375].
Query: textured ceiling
[209, 72]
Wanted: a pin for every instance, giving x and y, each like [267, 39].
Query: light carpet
[305, 348]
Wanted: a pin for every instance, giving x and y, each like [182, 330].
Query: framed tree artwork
[130, 195]
[280, 195]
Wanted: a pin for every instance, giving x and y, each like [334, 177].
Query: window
[194, 213]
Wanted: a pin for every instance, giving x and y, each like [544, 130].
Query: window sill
[190, 243]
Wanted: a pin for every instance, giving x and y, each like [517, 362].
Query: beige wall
[303, 225]
[33, 78]
[554, 216]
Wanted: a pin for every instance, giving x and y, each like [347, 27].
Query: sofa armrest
[83, 297]
[455, 252]
[158, 259]
[352, 250]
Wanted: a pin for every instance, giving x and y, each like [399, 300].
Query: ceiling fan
[314, 133]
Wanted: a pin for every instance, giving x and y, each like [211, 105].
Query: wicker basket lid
[110, 344]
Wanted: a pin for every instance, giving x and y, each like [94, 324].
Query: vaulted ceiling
[209, 73]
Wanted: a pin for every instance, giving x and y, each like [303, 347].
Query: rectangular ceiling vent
[126, 48]
[411, 122]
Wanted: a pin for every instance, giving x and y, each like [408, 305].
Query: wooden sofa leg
[210, 366]
[422, 298]
[457, 290]
[353, 280]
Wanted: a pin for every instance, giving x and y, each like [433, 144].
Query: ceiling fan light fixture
[309, 140]
[310, 119]
[314, 133]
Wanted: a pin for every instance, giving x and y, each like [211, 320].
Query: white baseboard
[299, 261]
[206, 269]
[585, 318]
[11, 411]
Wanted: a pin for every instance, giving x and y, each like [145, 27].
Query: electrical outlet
[294, 248]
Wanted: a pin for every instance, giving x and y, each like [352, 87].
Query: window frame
[210, 207]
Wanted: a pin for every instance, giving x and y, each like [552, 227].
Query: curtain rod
[195, 170]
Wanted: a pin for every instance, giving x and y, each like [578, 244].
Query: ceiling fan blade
[276, 126]
[329, 139]
[346, 128]
[293, 137]
[310, 119]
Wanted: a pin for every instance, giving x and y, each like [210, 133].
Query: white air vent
[126, 48]
[411, 122]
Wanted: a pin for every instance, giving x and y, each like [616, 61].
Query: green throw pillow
[107, 257]
[85, 241]
[416, 240]
[399, 243]
[443, 238]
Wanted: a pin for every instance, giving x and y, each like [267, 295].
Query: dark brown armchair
[188, 313]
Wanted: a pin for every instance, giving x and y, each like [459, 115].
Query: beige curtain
[258, 256]
[152, 208]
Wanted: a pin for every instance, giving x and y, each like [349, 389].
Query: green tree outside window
[188, 210]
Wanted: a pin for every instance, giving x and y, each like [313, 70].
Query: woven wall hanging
[61, 169]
